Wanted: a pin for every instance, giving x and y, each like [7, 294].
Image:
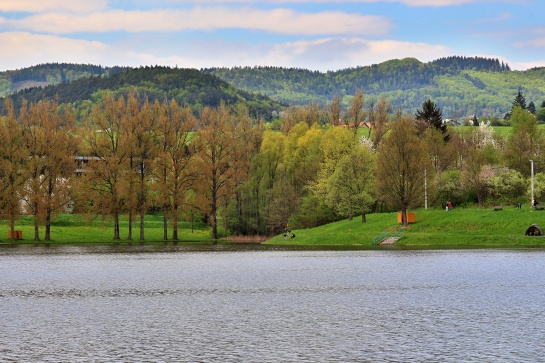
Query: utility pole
[532, 179]
[426, 189]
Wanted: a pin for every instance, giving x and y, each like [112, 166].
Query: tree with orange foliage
[12, 158]
[49, 135]
[107, 165]
[173, 169]
[217, 159]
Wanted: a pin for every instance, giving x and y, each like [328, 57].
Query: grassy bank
[434, 229]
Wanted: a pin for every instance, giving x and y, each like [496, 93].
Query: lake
[78, 304]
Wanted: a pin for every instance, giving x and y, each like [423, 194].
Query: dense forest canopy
[50, 73]
[187, 86]
[461, 86]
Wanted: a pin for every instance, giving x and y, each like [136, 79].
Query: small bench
[498, 207]
[539, 207]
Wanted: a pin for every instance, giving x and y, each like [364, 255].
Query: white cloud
[323, 54]
[282, 21]
[34, 6]
[521, 66]
[415, 3]
[22, 49]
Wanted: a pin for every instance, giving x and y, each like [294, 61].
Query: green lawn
[68, 228]
[434, 229]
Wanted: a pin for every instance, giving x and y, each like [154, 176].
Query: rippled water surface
[76, 305]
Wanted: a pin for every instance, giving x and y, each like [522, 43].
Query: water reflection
[271, 306]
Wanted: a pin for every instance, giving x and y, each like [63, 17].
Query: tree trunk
[363, 217]
[175, 222]
[12, 224]
[129, 233]
[36, 225]
[47, 236]
[214, 211]
[116, 226]
[142, 215]
[165, 221]
[404, 217]
[214, 222]
[50, 188]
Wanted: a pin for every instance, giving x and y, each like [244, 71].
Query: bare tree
[380, 126]
[335, 110]
[357, 111]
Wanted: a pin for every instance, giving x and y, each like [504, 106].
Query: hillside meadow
[433, 229]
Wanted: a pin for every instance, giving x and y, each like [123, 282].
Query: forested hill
[189, 87]
[50, 74]
[459, 85]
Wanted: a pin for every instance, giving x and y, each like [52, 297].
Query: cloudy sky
[318, 35]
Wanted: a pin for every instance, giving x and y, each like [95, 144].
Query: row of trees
[133, 155]
[247, 178]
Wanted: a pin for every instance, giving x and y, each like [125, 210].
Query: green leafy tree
[540, 115]
[525, 143]
[539, 187]
[449, 187]
[350, 187]
[507, 186]
[400, 167]
[476, 173]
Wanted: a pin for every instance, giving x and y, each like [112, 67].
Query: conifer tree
[431, 116]
[519, 101]
[532, 108]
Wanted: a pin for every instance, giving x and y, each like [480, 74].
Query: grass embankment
[76, 229]
[434, 229]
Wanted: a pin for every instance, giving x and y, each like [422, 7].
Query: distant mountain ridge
[460, 86]
[189, 87]
[47, 74]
